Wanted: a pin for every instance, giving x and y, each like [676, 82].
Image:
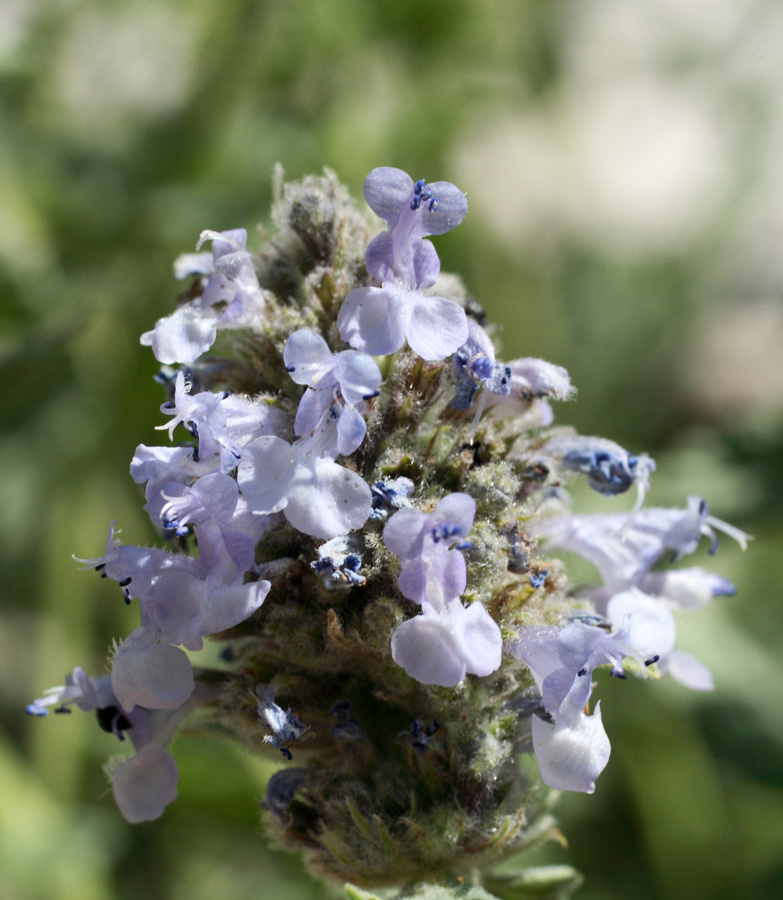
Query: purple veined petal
[358, 376]
[145, 784]
[351, 429]
[312, 407]
[188, 608]
[450, 210]
[386, 189]
[375, 320]
[307, 357]
[150, 672]
[379, 254]
[403, 533]
[689, 671]
[437, 328]
[424, 648]
[426, 264]
[265, 474]
[183, 336]
[652, 630]
[571, 759]
[327, 500]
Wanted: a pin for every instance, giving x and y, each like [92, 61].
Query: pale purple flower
[157, 466]
[448, 640]
[316, 495]
[341, 382]
[412, 211]
[445, 643]
[230, 295]
[183, 336]
[205, 417]
[227, 531]
[432, 571]
[623, 551]
[571, 747]
[144, 784]
[309, 361]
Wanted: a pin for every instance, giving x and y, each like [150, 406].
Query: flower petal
[265, 472]
[423, 647]
[450, 210]
[358, 375]
[307, 356]
[327, 500]
[373, 320]
[385, 190]
[571, 759]
[183, 336]
[145, 784]
[150, 672]
[438, 327]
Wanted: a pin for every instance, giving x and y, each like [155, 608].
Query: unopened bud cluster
[364, 506]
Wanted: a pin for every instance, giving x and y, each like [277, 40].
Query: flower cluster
[393, 505]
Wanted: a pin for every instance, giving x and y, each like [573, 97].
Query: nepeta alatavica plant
[364, 506]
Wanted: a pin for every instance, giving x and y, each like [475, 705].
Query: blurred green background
[624, 167]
